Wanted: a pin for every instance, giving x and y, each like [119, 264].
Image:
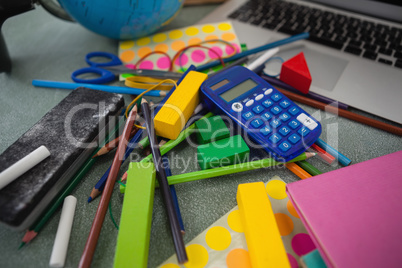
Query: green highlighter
[135, 222]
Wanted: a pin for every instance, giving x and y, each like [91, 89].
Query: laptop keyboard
[363, 38]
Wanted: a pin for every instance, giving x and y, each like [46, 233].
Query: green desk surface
[43, 47]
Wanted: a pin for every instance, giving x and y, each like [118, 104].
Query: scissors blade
[143, 72]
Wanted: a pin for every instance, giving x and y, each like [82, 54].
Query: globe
[122, 19]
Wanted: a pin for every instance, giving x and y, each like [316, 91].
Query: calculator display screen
[238, 90]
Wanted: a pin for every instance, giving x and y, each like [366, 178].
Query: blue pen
[168, 172]
[255, 50]
[112, 89]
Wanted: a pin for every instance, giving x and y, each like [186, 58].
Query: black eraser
[71, 132]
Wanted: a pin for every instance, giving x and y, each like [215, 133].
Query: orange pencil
[323, 154]
[298, 171]
[96, 227]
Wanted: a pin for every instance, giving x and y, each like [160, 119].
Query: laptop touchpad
[325, 69]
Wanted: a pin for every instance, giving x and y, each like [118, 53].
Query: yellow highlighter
[173, 116]
[263, 239]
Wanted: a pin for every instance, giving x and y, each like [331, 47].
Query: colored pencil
[113, 144]
[343, 160]
[226, 170]
[96, 227]
[298, 171]
[37, 226]
[255, 50]
[166, 165]
[100, 185]
[112, 89]
[276, 82]
[221, 171]
[162, 179]
[323, 154]
[343, 113]
[182, 136]
[309, 168]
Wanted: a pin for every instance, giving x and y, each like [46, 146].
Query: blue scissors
[108, 70]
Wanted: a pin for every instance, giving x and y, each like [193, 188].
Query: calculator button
[284, 131]
[259, 97]
[258, 109]
[275, 123]
[294, 110]
[266, 116]
[247, 115]
[294, 124]
[284, 103]
[275, 138]
[256, 123]
[284, 146]
[307, 121]
[294, 138]
[249, 103]
[267, 103]
[276, 97]
[265, 130]
[276, 110]
[237, 107]
[284, 117]
[268, 91]
[303, 131]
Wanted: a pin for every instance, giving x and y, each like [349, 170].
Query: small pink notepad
[354, 214]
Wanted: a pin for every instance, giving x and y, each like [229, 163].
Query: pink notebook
[354, 214]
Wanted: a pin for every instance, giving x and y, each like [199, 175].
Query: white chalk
[262, 59]
[23, 165]
[60, 245]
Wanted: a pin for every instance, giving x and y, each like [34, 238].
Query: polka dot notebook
[223, 244]
[170, 42]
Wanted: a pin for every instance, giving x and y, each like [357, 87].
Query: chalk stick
[263, 239]
[23, 165]
[135, 222]
[70, 131]
[60, 246]
[176, 111]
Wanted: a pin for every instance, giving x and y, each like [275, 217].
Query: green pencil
[215, 172]
[312, 170]
[37, 226]
[225, 170]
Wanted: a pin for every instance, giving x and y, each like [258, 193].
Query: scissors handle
[105, 75]
[114, 60]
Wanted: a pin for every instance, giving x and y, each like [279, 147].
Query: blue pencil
[112, 89]
[255, 50]
[343, 160]
[168, 172]
[98, 188]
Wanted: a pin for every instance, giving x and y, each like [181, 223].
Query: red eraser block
[295, 73]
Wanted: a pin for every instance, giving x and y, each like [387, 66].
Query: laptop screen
[385, 9]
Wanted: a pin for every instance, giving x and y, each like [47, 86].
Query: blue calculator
[267, 116]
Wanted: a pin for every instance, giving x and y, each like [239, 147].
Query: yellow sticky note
[263, 238]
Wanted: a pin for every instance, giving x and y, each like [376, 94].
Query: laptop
[355, 59]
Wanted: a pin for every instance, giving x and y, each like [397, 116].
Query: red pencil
[323, 154]
[96, 227]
